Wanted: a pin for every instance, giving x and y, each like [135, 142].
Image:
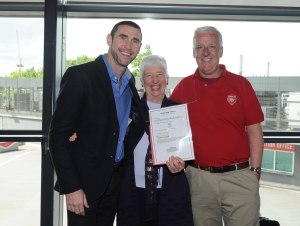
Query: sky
[262, 45]
[29, 32]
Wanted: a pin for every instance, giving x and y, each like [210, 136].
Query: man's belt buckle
[215, 169]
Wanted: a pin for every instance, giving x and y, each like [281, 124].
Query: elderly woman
[152, 195]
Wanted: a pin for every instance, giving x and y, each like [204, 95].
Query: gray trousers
[231, 197]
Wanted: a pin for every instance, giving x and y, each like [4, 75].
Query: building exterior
[279, 98]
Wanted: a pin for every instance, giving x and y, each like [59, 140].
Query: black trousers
[103, 210]
[142, 209]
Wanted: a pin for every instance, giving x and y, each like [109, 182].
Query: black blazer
[174, 201]
[85, 105]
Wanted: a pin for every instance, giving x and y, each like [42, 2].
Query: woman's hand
[73, 137]
[175, 164]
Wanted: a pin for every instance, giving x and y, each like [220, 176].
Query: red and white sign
[280, 147]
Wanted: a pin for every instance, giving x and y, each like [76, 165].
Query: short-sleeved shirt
[219, 112]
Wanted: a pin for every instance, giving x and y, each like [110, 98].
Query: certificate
[170, 134]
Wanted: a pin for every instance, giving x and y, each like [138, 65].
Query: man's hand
[76, 202]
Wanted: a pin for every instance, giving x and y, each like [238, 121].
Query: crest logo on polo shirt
[231, 99]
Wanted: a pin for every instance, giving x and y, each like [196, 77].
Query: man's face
[125, 45]
[207, 53]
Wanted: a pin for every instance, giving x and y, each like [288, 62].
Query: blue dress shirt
[123, 95]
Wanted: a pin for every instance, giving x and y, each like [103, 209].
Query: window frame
[55, 14]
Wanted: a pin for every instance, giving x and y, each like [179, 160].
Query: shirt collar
[222, 67]
[125, 77]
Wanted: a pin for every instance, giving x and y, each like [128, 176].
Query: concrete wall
[16, 122]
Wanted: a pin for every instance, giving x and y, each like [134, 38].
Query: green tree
[79, 60]
[135, 64]
[28, 73]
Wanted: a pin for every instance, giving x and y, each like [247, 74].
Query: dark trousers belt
[223, 169]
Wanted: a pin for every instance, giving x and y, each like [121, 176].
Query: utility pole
[241, 64]
[19, 65]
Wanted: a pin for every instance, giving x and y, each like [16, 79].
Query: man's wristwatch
[256, 169]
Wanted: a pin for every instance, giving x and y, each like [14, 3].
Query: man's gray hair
[208, 29]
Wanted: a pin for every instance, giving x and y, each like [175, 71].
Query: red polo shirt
[218, 112]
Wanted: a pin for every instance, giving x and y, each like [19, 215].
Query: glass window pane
[284, 161]
[250, 49]
[268, 160]
[20, 187]
[21, 73]
[275, 78]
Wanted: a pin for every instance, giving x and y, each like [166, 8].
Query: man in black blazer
[95, 101]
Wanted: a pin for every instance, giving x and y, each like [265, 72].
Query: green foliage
[135, 64]
[79, 60]
[7, 96]
[28, 73]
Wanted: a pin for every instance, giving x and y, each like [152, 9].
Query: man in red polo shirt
[225, 118]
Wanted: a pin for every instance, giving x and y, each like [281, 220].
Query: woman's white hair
[153, 60]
